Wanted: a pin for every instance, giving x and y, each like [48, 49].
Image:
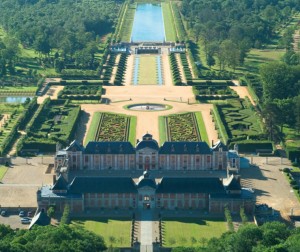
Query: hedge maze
[237, 120]
[54, 122]
[110, 127]
[182, 127]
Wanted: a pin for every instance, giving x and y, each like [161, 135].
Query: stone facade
[147, 155]
[89, 193]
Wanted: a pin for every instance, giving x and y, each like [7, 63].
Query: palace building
[147, 155]
[178, 185]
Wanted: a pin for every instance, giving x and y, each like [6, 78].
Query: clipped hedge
[220, 125]
[250, 146]
[293, 154]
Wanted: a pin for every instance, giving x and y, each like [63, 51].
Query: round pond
[148, 107]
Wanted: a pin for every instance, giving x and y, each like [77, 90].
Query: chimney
[54, 179]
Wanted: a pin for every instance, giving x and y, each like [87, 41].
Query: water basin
[148, 24]
[148, 107]
[14, 99]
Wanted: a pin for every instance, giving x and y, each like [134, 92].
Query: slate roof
[190, 185]
[102, 185]
[147, 182]
[232, 183]
[147, 144]
[185, 148]
[109, 148]
[60, 184]
[41, 219]
[219, 145]
[75, 146]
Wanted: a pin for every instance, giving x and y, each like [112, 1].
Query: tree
[51, 211]
[278, 80]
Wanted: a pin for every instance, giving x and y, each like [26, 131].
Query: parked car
[25, 220]
[3, 213]
[21, 213]
[29, 214]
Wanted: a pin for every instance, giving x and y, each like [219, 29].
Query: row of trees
[228, 28]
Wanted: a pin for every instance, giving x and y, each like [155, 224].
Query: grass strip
[162, 130]
[132, 130]
[168, 22]
[93, 128]
[201, 127]
[3, 170]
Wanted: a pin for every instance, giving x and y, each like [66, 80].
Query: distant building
[94, 191]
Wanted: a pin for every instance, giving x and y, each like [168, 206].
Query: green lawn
[168, 22]
[162, 130]
[116, 232]
[147, 70]
[291, 137]
[3, 170]
[93, 128]
[132, 130]
[191, 231]
[201, 127]
[126, 27]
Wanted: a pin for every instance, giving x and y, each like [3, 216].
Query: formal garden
[81, 92]
[115, 231]
[171, 127]
[111, 127]
[54, 121]
[237, 120]
[210, 91]
[9, 123]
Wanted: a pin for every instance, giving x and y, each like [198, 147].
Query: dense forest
[272, 236]
[49, 238]
[229, 28]
[73, 28]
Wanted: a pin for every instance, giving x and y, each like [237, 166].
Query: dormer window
[108, 149]
[121, 147]
[197, 148]
[172, 148]
[185, 148]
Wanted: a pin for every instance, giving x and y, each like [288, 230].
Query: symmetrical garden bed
[182, 127]
[112, 127]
